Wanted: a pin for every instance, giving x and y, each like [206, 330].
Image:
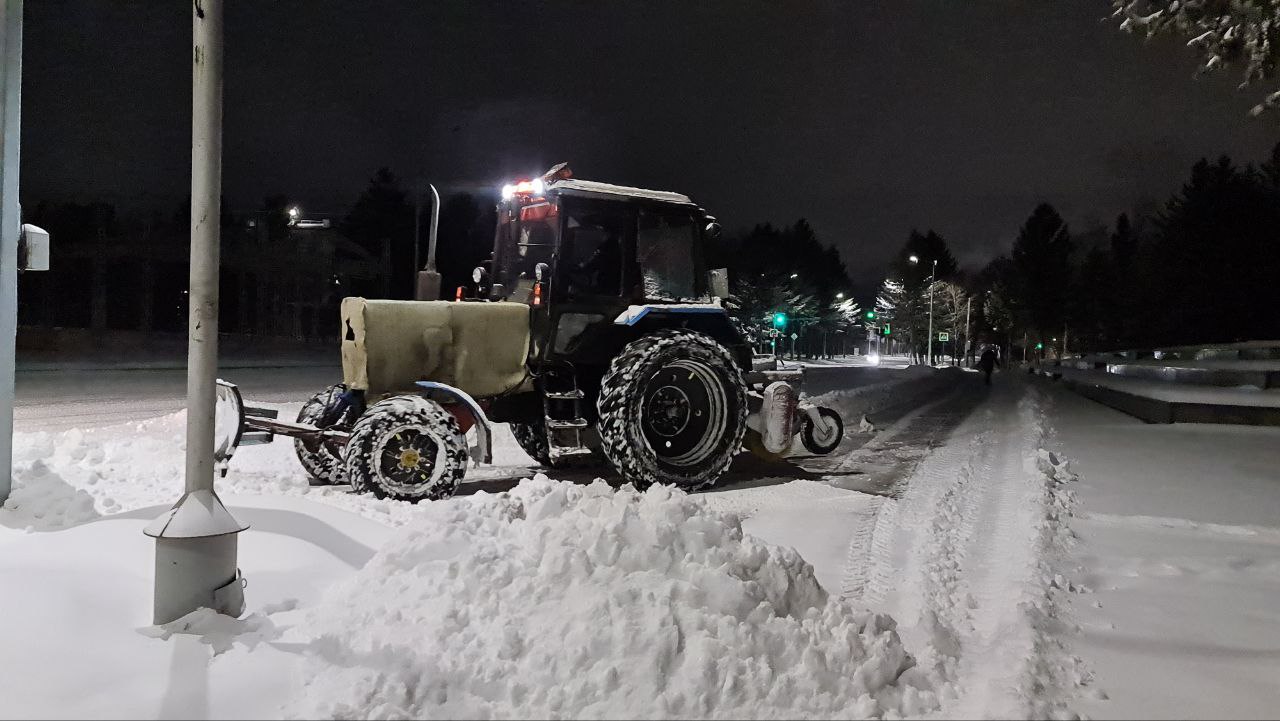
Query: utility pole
[933, 278]
[10, 226]
[968, 305]
[196, 540]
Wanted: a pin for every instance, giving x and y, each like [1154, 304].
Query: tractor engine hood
[389, 345]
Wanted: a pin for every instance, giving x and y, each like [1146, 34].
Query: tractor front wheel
[672, 410]
[320, 460]
[406, 448]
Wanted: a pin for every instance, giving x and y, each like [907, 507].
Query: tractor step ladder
[562, 414]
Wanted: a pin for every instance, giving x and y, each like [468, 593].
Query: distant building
[280, 278]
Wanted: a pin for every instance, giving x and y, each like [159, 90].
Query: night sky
[867, 118]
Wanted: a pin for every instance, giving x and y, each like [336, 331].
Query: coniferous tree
[1041, 258]
[383, 214]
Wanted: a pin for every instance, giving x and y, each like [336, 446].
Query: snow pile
[41, 500]
[63, 478]
[1051, 674]
[556, 600]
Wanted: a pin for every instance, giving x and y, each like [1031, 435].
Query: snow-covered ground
[1176, 392]
[948, 564]
[1180, 546]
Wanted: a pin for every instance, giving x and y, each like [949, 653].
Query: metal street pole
[933, 276]
[10, 227]
[968, 305]
[196, 540]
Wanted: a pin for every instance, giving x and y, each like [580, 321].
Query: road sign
[794, 336]
[944, 336]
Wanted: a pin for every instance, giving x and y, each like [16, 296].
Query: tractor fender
[710, 319]
[482, 451]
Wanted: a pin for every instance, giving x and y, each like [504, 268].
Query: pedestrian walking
[987, 363]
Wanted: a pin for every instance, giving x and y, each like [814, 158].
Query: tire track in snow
[967, 567]
[867, 574]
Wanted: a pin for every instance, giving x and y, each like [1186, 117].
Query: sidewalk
[1179, 549]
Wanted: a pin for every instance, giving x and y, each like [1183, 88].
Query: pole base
[196, 552]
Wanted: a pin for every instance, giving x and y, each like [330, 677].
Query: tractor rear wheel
[319, 459]
[673, 409]
[532, 437]
[407, 448]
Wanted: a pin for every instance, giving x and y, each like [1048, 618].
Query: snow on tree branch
[1224, 32]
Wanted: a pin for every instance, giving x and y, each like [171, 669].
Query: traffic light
[1039, 346]
[871, 315]
[779, 320]
[887, 331]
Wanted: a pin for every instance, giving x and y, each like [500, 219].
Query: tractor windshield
[520, 247]
[666, 239]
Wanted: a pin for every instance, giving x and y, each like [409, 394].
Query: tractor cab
[587, 257]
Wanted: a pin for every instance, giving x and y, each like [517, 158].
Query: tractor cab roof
[591, 188]
[560, 181]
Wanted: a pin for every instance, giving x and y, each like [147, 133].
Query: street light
[795, 275]
[914, 260]
[839, 296]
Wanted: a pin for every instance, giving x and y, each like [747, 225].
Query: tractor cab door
[595, 270]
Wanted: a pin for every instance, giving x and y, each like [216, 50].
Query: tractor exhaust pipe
[428, 280]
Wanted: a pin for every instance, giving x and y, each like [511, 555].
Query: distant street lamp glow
[914, 259]
[293, 212]
[839, 296]
[795, 275]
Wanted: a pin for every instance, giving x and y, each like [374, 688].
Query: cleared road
[49, 400]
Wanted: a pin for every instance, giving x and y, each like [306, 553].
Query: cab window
[665, 242]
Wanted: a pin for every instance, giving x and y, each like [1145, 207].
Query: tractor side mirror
[719, 282]
[541, 271]
[713, 231]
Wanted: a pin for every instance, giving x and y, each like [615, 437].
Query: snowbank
[66, 477]
[558, 600]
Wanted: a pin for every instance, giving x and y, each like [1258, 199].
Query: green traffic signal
[779, 320]
[871, 315]
[887, 331]
[1039, 346]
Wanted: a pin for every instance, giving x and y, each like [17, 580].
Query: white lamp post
[914, 260]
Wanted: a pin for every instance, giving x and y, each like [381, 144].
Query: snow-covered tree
[1223, 32]
[950, 302]
[905, 310]
[847, 311]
